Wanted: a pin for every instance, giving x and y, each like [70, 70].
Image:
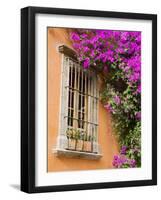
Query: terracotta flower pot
[87, 146]
[79, 145]
[71, 144]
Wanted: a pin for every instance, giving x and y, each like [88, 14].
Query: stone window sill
[77, 154]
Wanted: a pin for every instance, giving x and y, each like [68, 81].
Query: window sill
[77, 154]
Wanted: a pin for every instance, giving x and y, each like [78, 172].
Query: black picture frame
[28, 98]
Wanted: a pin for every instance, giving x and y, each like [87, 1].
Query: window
[78, 135]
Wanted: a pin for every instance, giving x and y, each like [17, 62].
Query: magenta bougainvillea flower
[75, 36]
[108, 107]
[86, 63]
[138, 115]
[123, 150]
[117, 100]
[121, 161]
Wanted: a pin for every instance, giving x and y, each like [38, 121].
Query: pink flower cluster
[108, 107]
[106, 47]
[120, 161]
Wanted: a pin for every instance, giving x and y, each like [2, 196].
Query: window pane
[82, 102]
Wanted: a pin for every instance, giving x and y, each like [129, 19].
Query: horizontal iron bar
[82, 93]
[81, 120]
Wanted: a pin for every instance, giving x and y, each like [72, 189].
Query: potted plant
[80, 141]
[71, 138]
[87, 143]
[77, 135]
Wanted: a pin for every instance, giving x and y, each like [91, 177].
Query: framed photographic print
[88, 99]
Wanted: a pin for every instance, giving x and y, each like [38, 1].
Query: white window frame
[68, 56]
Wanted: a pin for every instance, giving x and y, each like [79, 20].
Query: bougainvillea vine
[116, 55]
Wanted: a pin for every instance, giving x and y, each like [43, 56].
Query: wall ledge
[68, 51]
[76, 154]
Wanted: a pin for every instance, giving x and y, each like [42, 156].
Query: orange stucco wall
[108, 144]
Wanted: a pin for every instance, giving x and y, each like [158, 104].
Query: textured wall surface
[108, 144]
